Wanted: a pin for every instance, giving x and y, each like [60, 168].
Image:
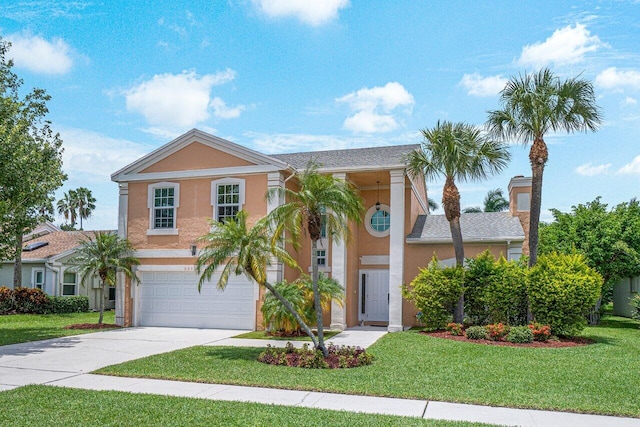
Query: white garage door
[172, 299]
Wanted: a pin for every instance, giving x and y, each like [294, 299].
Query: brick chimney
[520, 205]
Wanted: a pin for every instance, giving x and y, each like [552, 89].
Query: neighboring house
[45, 265]
[167, 196]
[623, 292]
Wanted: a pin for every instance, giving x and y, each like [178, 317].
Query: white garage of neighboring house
[623, 292]
[168, 296]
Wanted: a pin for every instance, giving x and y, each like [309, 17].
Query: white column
[123, 208]
[396, 250]
[339, 273]
[274, 180]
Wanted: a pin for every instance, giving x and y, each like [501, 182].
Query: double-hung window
[69, 283]
[227, 198]
[163, 204]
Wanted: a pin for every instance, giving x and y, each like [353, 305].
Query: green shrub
[27, 300]
[6, 300]
[339, 357]
[476, 333]
[520, 334]
[435, 292]
[506, 295]
[481, 271]
[70, 304]
[635, 306]
[562, 290]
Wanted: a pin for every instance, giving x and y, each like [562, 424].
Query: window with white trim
[377, 220]
[38, 278]
[163, 203]
[69, 283]
[227, 198]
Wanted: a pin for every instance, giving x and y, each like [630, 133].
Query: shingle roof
[476, 227]
[355, 157]
[59, 242]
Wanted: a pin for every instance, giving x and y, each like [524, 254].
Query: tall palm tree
[457, 152]
[66, 207]
[494, 201]
[432, 204]
[104, 256]
[319, 199]
[532, 106]
[241, 249]
[84, 202]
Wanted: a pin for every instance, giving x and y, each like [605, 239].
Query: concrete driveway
[41, 362]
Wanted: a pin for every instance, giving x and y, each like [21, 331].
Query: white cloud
[39, 55]
[292, 142]
[373, 107]
[631, 168]
[312, 12]
[612, 78]
[483, 86]
[629, 101]
[565, 46]
[223, 111]
[169, 101]
[590, 170]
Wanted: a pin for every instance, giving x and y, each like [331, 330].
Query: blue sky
[291, 75]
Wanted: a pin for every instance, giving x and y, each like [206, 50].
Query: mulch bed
[560, 343]
[92, 326]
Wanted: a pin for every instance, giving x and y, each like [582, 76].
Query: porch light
[193, 250]
[378, 198]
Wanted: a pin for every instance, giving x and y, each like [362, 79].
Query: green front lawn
[599, 378]
[262, 335]
[53, 406]
[17, 328]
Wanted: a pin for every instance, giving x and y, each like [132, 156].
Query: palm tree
[432, 204]
[457, 151]
[472, 209]
[320, 201]
[532, 106]
[66, 207]
[240, 249]
[104, 256]
[494, 201]
[84, 202]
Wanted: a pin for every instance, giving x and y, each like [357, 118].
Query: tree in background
[78, 203]
[30, 161]
[495, 201]
[84, 203]
[319, 200]
[609, 239]
[104, 256]
[66, 208]
[532, 106]
[458, 152]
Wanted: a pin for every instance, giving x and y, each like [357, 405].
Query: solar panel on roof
[33, 246]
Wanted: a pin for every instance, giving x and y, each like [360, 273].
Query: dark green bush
[562, 290]
[70, 304]
[6, 300]
[520, 334]
[476, 333]
[635, 307]
[435, 292]
[481, 271]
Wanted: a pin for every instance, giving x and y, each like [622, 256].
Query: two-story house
[167, 196]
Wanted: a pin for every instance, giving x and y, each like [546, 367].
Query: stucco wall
[196, 156]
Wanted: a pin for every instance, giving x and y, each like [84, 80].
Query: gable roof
[476, 227]
[389, 157]
[130, 171]
[58, 243]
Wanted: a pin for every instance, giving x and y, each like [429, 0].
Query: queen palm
[66, 207]
[532, 106]
[84, 202]
[104, 256]
[494, 201]
[241, 249]
[457, 152]
[320, 201]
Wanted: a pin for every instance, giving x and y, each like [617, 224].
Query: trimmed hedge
[27, 300]
[562, 290]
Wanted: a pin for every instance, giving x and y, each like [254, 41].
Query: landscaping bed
[93, 326]
[552, 343]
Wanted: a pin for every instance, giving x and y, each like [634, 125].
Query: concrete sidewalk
[341, 402]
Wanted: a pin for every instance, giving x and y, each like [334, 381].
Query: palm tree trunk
[538, 158]
[17, 263]
[316, 297]
[451, 205]
[292, 310]
[101, 304]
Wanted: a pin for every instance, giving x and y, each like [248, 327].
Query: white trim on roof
[194, 135]
[201, 173]
[498, 239]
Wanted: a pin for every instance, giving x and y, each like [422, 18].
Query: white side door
[374, 295]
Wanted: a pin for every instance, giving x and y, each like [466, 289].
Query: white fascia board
[369, 168]
[195, 135]
[199, 173]
[164, 253]
[501, 239]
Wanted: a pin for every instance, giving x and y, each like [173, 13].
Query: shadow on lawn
[234, 353]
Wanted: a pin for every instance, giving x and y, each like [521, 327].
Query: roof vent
[33, 246]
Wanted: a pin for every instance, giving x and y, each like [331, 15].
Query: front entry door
[374, 295]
